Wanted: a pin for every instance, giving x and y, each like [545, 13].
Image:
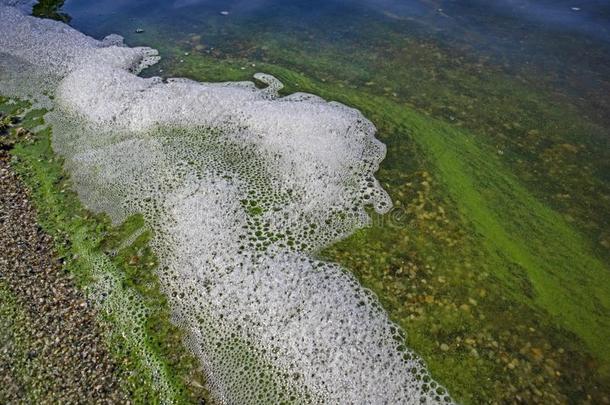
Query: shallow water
[495, 258]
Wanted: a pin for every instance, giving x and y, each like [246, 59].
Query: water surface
[495, 258]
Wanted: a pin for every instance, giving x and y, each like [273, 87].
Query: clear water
[495, 115]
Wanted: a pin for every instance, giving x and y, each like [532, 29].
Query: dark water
[564, 42]
[504, 26]
[526, 82]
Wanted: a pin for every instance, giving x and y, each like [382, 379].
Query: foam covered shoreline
[241, 188]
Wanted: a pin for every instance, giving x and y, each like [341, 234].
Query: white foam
[241, 187]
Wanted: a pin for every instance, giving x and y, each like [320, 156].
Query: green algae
[567, 278]
[117, 270]
[50, 9]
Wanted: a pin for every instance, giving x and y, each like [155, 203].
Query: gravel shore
[51, 348]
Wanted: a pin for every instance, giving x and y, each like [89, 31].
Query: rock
[537, 353]
[444, 347]
[21, 132]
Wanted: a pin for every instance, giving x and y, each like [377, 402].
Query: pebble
[56, 334]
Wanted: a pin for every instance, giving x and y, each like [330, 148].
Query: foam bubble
[241, 188]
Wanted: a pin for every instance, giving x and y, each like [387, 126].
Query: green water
[495, 258]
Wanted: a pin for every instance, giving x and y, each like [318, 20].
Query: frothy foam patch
[241, 188]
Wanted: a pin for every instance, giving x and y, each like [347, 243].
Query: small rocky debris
[54, 346]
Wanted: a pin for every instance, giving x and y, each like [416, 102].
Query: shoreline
[52, 347]
[150, 361]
